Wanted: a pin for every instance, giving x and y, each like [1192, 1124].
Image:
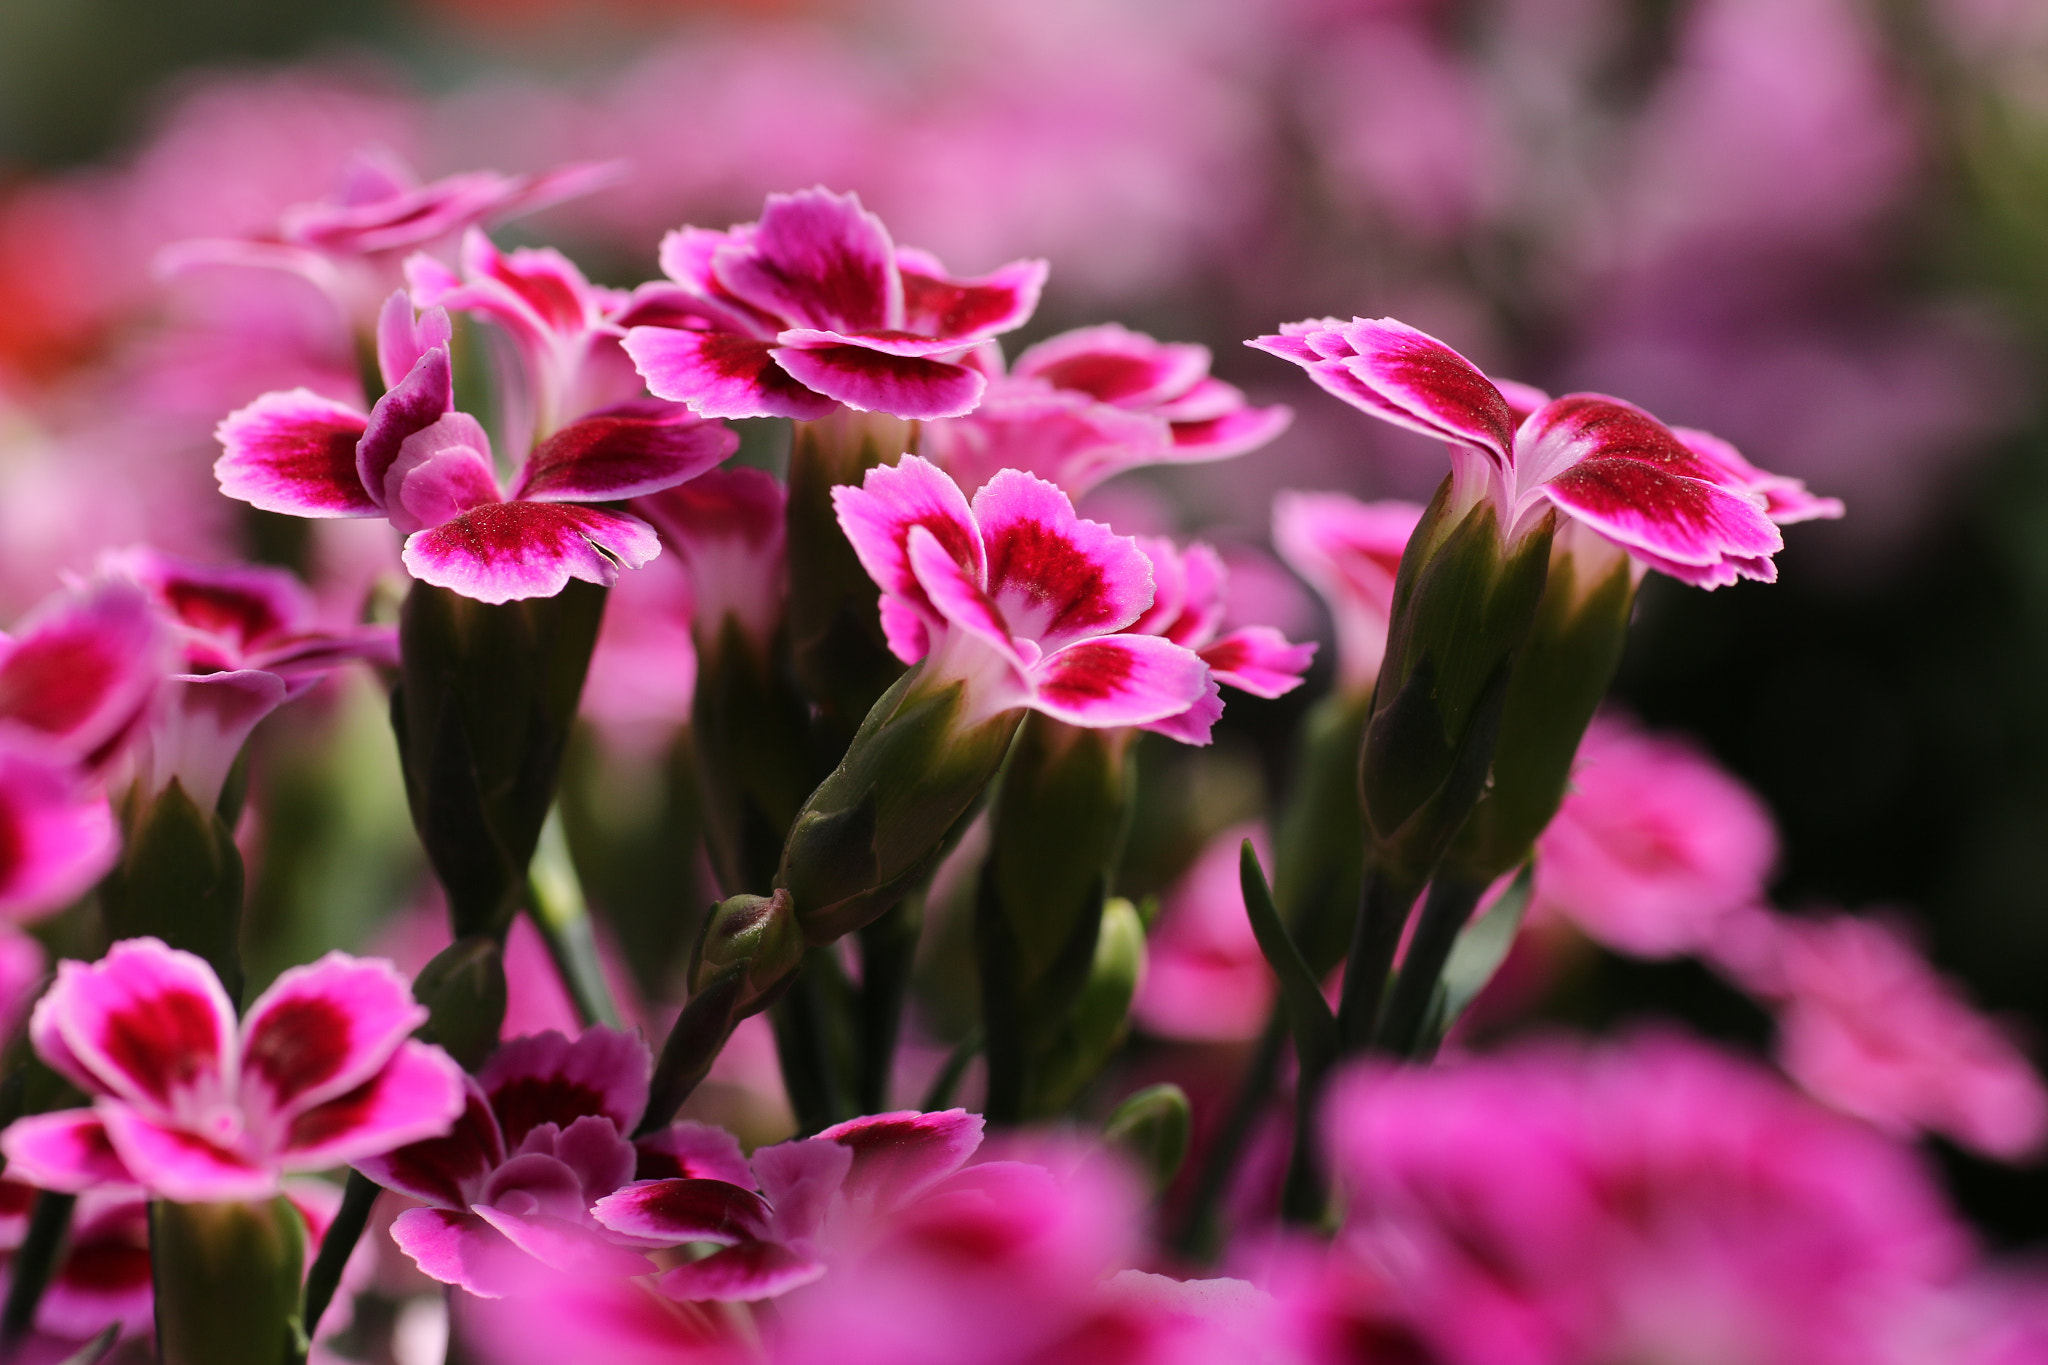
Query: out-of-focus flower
[814, 307]
[1205, 977]
[643, 672]
[729, 529]
[1349, 552]
[350, 244]
[1654, 846]
[428, 468]
[1652, 1200]
[251, 640]
[1597, 460]
[1867, 1025]
[1017, 598]
[1088, 404]
[190, 1108]
[542, 1137]
[1188, 606]
[562, 326]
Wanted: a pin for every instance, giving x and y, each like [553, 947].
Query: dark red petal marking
[1103, 375]
[946, 309]
[1087, 675]
[625, 452]
[689, 1210]
[1417, 370]
[304, 1041]
[221, 609]
[440, 1170]
[58, 677]
[163, 1042]
[523, 1103]
[1046, 568]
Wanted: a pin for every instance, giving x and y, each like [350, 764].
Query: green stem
[1382, 913]
[1201, 1229]
[803, 1046]
[1444, 915]
[556, 904]
[34, 1264]
[887, 949]
[357, 1198]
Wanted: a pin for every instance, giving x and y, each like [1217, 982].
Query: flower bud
[1463, 605]
[463, 989]
[878, 824]
[1152, 1127]
[1094, 1026]
[227, 1282]
[179, 879]
[757, 934]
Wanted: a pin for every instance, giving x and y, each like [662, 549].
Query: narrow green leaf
[1478, 953]
[1308, 1014]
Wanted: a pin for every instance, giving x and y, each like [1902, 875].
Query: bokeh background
[1816, 227]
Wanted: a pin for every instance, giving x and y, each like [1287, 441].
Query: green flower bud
[227, 1282]
[757, 935]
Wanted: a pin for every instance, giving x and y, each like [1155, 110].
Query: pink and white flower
[1016, 597]
[350, 244]
[1673, 504]
[1088, 404]
[813, 308]
[1350, 553]
[1654, 847]
[543, 1136]
[1188, 607]
[563, 327]
[251, 641]
[188, 1106]
[428, 468]
[1867, 1025]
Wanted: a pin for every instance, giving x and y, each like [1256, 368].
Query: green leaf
[1308, 1014]
[1478, 953]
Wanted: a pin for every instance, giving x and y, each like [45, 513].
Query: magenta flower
[428, 468]
[350, 244]
[542, 1137]
[729, 529]
[78, 685]
[1867, 1025]
[1088, 404]
[1205, 978]
[819, 1198]
[1188, 606]
[1654, 846]
[814, 307]
[1652, 1200]
[1600, 462]
[190, 1107]
[563, 327]
[251, 641]
[1016, 597]
[1350, 553]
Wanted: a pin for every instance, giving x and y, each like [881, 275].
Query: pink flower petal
[202, 728]
[447, 1172]
[57, 836]
[939, 305]
[549, 1078]
[513, 550]
[457, 1247]
[1637, 500]
[625, 452]
[671, 1212]
[323, 1029]
[1258, 660]
[958, 599]
[878, 515]
[418, 1094]
[897, 343]
[562, 1245]
[1119, 680]
[1786, 500]
[1062, 436]
[720, 374]
[294, 452]
[440, 471]
[149, 1023]
[1112, 364]
[900, 1155]
[222, 611]
[1350, 553]
[746, 1273]
[816, 259]
[870, 380]
[105, 1273]
[414, 403]
[67, 1151]
[905, 629]
[695, 1151]
[801, 1181]
[1197, 724]
[174, 1163]
[1230, 435]
[402, 339]
[84, 666]
[1428, 386]
[1056, 577]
